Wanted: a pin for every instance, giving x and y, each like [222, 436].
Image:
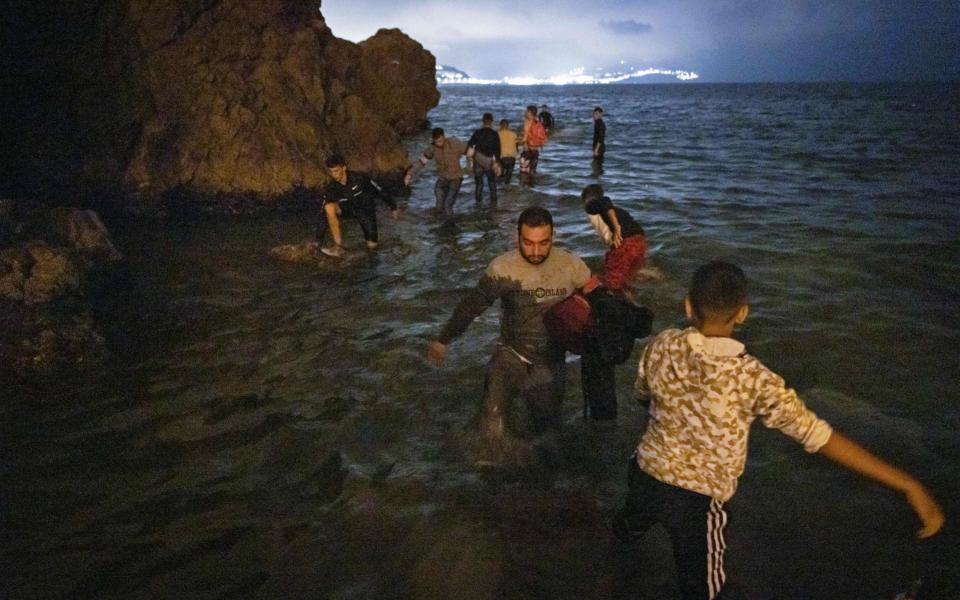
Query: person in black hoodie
[484, 148]
[599, 134]
[350, 195]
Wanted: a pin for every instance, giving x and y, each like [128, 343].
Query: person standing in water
[534, 138]
[526, 361]
[599, 134]
[484, 148]
[598, 147]
[446, 151]
[704, 392]
[508, 150]
[546, 118]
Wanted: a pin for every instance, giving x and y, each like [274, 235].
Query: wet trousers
[540, 385]
[694, 522]
[621, 263]
[445, 191]
[363, 214]
[508, 163]
[532, 157]
[598, 382]
[479, 174]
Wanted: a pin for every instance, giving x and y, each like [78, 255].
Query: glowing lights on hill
[449, 75]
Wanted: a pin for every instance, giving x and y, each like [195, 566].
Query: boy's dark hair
[591, 193]
[534, 216]
[532, 108]
[718, 288]
[504, 123]
[487, 118]
[437, 132]
[335, 160]
[598, 109]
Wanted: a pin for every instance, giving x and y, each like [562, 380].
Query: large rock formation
[207, 96]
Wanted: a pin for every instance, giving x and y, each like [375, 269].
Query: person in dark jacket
[546, 118]
[484, 148]
[599, 134]
[353, 196]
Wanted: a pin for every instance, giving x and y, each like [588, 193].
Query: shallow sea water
[272, 430]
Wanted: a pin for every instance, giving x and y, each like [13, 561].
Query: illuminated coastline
[448, 75]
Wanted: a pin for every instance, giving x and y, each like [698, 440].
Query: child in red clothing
[627, 241]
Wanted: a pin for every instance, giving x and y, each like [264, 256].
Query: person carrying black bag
[601, 327]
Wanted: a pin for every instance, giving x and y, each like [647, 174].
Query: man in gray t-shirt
[525, 362]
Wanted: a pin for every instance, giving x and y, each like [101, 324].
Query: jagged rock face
[64, 246]
[398, 79]
[53, 260]
[218, 96]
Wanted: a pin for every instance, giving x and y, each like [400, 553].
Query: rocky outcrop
[49, 262]
[204, 96]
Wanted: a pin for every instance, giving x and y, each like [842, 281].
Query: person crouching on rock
[352, 196]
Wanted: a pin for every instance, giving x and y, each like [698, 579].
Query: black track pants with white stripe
[695, 523]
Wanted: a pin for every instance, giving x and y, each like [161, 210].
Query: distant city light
[449, 75]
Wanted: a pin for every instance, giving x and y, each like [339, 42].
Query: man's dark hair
[437, 132]
[591, 193]
[718, 289]
[598, 109]
[532, 108]
[335, 160]
[534, 216]
[504, 122]
[487, 118]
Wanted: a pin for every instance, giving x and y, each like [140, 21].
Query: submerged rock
[305, 252]
[229, 97]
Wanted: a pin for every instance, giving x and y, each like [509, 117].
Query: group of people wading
[492, 153]
[703, 390]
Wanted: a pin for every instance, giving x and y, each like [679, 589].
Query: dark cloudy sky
[721, 40]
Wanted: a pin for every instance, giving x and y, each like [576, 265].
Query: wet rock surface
[51, 264]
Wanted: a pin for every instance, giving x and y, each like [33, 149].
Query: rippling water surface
[272, 430]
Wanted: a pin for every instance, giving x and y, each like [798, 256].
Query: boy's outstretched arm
[848, 453]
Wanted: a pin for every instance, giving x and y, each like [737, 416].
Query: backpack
[600, 318]
[537, 136]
